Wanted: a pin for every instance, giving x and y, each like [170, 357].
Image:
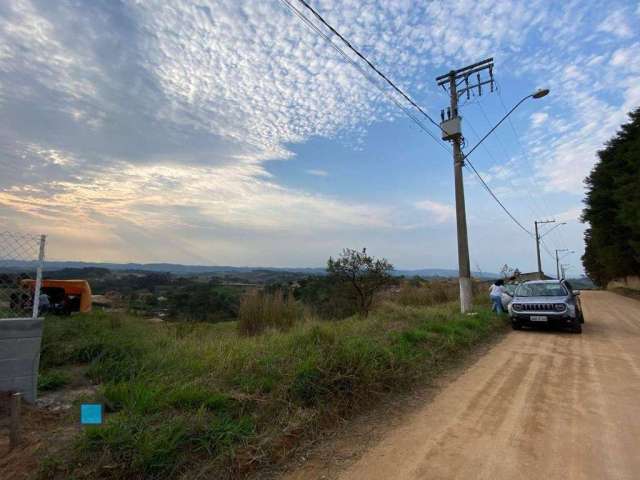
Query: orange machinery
[70, 295]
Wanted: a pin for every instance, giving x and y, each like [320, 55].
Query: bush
[259, 311]
[53, 380]
[428, 293]
[325, 297]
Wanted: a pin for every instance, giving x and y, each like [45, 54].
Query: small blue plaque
[91, 414]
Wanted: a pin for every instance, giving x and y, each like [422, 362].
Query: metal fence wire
[21, 261]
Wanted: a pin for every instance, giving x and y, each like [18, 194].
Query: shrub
[427, 293]
[259, 311]
[53, 380]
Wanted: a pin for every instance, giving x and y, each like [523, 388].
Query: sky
[230, 133]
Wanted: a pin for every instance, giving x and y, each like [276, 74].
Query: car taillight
[517, 307]
[559, 307]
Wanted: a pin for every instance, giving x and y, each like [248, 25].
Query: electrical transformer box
[450, 128]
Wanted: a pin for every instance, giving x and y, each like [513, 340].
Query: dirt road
[539, 405]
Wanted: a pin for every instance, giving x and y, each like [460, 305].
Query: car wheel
[581, 317]
[576, 327]
[516, 325]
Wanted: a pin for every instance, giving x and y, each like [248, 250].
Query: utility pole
[451, 130]
[558, 258]
[538, 237]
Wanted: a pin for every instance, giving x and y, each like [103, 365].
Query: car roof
[542, 281]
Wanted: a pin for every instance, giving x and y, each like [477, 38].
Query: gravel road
[539, 405]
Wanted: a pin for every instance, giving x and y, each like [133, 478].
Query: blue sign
[91, 414]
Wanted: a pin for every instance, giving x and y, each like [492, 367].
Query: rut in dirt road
[540, 404]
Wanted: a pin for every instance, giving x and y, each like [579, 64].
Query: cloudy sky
[229, 132]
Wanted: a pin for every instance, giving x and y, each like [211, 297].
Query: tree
[360, 275]
[612, 208]
[506, 271]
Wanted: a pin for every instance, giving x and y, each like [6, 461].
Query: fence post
[14, 426]
[36, 291]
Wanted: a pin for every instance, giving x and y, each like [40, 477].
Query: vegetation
[194, 399]
[261, 310]
[204, 302]
[613, 208]
[49, 380]
[325, 298]
[360, 276]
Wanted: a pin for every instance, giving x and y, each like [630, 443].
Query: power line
[367, 61]
[300, 15]
[538, 203]
[488, 189]
[364, 73]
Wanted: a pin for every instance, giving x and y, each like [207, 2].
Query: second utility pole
[538, 237]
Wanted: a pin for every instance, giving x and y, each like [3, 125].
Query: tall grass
[209, 403]
[260, 310]
[427, 293]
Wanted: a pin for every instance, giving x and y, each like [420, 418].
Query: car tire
[581, 317]
[516, 325]
[576, 327]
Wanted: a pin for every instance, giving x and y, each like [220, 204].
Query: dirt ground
[540, 404]
[45, 427]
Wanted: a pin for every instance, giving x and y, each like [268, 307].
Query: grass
[259, 311]
[207, 402]
[50, 380]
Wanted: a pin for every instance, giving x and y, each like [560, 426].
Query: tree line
[612, 239]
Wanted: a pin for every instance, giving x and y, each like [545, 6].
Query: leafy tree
[612, 240]
[360, 275]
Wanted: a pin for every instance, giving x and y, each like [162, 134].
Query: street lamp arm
[496, 125]
[552, 228]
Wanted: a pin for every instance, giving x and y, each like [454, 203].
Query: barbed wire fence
[21, 262]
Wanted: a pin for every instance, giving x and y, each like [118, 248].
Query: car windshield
[541, 290]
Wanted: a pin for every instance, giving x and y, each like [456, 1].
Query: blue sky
[227, 132]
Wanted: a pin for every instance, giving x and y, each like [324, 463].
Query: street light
[543, 92]
[553, 228]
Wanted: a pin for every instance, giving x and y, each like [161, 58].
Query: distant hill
[206, 269]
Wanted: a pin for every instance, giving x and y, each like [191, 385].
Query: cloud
[318, 173]
[438, 212]
[571, 215]
[153, 122]
[538, 118]
[616, 24]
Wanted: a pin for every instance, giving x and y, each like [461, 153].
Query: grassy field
[197, 400]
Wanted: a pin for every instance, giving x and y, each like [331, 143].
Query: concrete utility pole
[538, 237]
[558, 258]
[451, 130]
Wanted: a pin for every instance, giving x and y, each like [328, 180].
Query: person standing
[43, 304]
[495, 293]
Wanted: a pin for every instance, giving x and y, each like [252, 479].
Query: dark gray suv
[544, 302]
